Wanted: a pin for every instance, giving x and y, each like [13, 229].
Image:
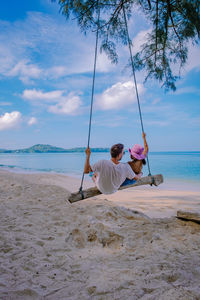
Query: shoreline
[156, 202]
[169, 183]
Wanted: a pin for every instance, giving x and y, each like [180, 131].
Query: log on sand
[188, 216]
[91, 192]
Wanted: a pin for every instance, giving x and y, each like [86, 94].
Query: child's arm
[146, 148]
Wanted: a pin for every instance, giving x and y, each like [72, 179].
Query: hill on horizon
[42, 148]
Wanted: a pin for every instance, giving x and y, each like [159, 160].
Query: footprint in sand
[112, 239]
[76, 238]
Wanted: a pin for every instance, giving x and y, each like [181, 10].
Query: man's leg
[128, 181]
[94, 176]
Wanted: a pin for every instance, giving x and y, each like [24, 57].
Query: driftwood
[91, 192]
[188, 216]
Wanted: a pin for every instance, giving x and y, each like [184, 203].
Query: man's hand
[87, 167]
[88, 152]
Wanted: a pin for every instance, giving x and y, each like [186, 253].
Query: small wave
[8, 166]
[17, 169]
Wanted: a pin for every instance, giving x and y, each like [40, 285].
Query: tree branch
[169, 9]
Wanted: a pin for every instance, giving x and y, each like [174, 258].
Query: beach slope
[101, 248]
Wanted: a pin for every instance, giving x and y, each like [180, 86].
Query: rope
[135, 82]
[92, 96]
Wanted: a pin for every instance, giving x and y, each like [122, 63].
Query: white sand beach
[128, 245]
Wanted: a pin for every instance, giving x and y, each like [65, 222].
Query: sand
[129, 245]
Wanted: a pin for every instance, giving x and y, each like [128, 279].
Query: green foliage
[40, 148]
[173, 24]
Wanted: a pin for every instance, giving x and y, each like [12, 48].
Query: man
[109, 175]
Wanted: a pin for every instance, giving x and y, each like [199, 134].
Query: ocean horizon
[181, 166]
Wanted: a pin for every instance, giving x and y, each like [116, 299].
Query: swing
[150, 179]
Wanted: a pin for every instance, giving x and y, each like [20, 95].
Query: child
[138, 159]
[138, 155]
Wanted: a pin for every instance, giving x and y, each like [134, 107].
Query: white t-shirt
[111, 176]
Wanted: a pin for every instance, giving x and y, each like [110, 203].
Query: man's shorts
[128, 181]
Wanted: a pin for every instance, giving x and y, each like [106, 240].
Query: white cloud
[193, 52]
[139, 40]
[193, 61]
[58, 45]
[32, 121]
[25, 71]
[56, 72]
[38, 95]
[6, 58]
[103, 63]
[10, 120]
[69, 105]
[118, 96]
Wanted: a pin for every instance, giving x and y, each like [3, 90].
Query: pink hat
[137, 152]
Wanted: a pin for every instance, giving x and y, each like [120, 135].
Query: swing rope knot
[152, 180]
[81, 192]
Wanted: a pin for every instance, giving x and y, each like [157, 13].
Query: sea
[181, 168]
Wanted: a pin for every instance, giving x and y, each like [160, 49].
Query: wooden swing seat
[91, 192]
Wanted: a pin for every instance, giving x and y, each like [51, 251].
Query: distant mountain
[40, 148]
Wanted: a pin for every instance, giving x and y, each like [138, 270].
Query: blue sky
[45, 82]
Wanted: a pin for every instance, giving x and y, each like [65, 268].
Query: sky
[46, 68]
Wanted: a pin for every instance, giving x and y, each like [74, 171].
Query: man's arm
[146, 148]
[87, 168]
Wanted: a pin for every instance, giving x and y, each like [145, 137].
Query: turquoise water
[173, 165]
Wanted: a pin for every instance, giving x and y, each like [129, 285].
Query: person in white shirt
[109, 175]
